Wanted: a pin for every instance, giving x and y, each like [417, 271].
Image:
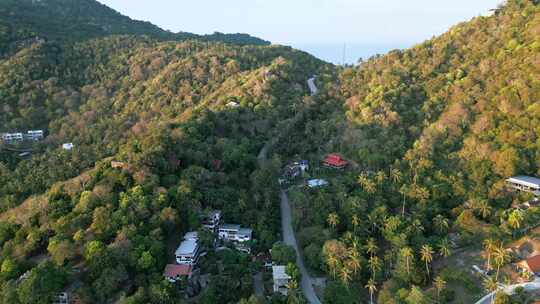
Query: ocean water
[353, 52]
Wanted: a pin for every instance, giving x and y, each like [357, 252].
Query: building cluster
[189, 251]
[293, 171]
[32, 135]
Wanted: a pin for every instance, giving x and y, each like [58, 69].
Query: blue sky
[376, 24]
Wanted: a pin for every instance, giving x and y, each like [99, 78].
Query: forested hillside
[160, 109]
[77, 20]
[165, 126]
[432, 132]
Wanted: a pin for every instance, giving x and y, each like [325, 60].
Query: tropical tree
[371, 247]
[483, 208]
[444, 248]
[489, 247]
[500, 256]
[355, 221]
[407, 254]
[353, 263]
[439, 284]
[491, 284]
[367, 184]
[426, 255]
[345, 275]
[403, 191]
[395, 175]
[372, 288]
[441, 223]
[333, 220]
[375, 265]
[514, 220]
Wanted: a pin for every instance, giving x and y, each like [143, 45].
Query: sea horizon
[333, 52]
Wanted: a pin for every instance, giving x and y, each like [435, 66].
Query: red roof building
[334, 161]
[174, 272]
[531, 265]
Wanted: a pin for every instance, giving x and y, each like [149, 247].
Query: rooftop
[230, 227]
[528, 181]
[313, 183]
[279, 273]
[187, 247]
[534, 263]
[173, 270]
[192, 235]
[245, 231]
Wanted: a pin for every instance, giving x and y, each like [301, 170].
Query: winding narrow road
[289, 238]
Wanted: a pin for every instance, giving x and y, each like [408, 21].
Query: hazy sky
[310, 22]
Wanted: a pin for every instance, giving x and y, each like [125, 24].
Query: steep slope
[160, 109]
[432, 133]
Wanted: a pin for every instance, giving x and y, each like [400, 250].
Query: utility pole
[344, 54]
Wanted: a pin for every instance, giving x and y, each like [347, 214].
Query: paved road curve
[312, 86]
[289, 239]
[529, 286]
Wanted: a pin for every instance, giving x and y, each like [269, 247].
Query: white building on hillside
[12, 137]
[281, 279]
[234, 233]
[34, 135]
[67, 146]
[188, 251]
[524, 183]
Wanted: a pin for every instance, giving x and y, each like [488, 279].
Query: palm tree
[395, 175]
[441, 223]
[371, 246]
[514, 220]
[439, 284]
[500, 256]
[403, 190]
[407, 253]
[345, 275]
[483, 208]
[353, 263]
[426, 255]
[355, 221]
[380, 177]
[332, 263]
[372, 287]
[333, 220]
[491, 284]
[489, 247]
[375, 265]
[416, 227]
[444, 248]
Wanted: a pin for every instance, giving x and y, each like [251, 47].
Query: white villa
[234, 233]
[34, 135]
[281, 279]
[11, 137]
[525, 184]
[18, 136]
[188, 251]
[67, 146]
